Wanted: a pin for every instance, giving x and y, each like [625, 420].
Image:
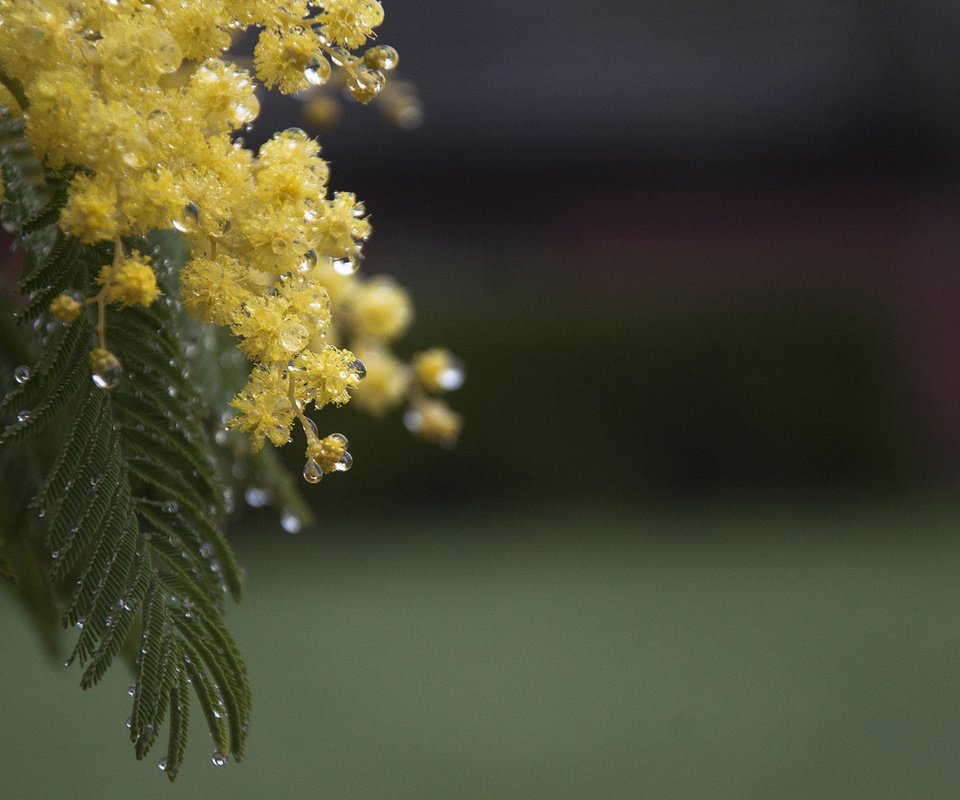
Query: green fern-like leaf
[131, 502]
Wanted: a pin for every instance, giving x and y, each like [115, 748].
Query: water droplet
[344, 266]
[162, 764]
[258, 497]
[218, 758]
[108, 372]
[132, 690]
[170, 507]
[23, 416]
[317, 72]
[413, 420]
[312, 472]
[339, 437]
[148, 730]
[366, 84]
[290, 522]
[344, 463]
[452, 377]
[221, 437]
[129, 722]
[381, 57]
[313, 427]
[189, 220]
[359, 367]
[21, 374]
[309, 260]
[293, 336]
[166, 53]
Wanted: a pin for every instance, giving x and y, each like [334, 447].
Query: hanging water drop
[344, 462]
[218, 759]
[359, 367]
[21, 374]
[339, 437]
[344, 266]
[381, 57]
[318, 71]
[312, 472]
[23, 416]
[162, 764]
[170, 507]
[132, 690]
[106, 370]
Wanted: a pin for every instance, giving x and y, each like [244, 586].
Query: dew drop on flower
[189, 220]
[312, 472]
[344, 266]
[166, 55]
[339, 437]
[452, 377]
[309, 261]
[108, 374]
[21, 374]
[290, 522]
[245, 110]
[317, 72]
[359, 367]
[345, 462]
[381, 57]
[293, 336]
[218, 759]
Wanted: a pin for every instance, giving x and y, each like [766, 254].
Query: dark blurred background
[699, 539]
[684, 248]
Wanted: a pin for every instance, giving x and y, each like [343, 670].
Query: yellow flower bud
[65, 308]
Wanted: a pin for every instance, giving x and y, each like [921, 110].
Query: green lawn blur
[555, 653]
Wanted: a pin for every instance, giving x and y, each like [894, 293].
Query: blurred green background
[699, 539]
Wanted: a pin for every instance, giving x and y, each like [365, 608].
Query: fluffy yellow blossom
[350, 22]
[438, 370]
[329, 454]
[132, 282]
[434, 421]
[283, 57]
[91, 210]
[386, 383]
[265, 410]
[65, 308]
[212, 289]
[327, 376]
[137, 104]
[380, 309]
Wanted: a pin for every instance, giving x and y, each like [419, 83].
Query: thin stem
[13, 86]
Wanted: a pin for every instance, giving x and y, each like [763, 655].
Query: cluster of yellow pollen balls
[138, 100]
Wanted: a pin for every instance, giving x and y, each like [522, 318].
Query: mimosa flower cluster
[137, 102]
